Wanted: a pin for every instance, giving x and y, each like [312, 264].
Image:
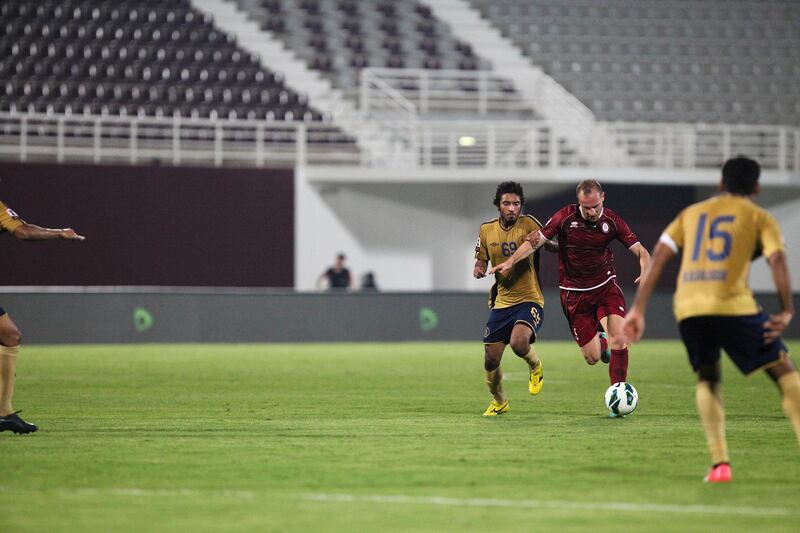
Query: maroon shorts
[584, 309]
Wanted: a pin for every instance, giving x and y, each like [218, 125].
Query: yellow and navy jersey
[719, 238]
[495, 245]
[9, 220]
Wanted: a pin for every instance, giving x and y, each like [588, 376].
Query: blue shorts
[2, 311]
[740, 336]
[502, 321]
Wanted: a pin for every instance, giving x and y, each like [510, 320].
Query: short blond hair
[587, 186]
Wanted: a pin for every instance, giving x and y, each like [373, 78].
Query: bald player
[9, 334]
[714, 306]
[515, 299]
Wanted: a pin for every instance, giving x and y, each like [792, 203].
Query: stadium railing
[425, 144]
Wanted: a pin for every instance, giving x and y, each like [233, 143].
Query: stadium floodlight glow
[466, 140]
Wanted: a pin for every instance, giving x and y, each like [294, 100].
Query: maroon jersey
[584, 259]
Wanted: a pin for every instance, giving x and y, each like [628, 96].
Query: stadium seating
[664, 60]
[143, 57]
[340, 37]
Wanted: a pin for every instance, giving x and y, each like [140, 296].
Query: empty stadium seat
[132, 57]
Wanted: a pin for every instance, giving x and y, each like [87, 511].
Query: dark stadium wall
[152, 225]
[646, 208]
[266, 315]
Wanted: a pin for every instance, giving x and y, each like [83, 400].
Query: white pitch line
[136, 492]
[553, 504]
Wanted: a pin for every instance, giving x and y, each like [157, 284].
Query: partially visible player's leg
[787, 378]
[521, 337]
[9, 348]
[708, 396]
[701, 336]
[611, 312]
[583, 324]
[493, 353]
[618, 364]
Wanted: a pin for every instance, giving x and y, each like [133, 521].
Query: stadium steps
[569, 117]
[373, 140]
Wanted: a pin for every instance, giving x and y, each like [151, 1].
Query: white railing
[434, 92]
[447, 144]
[706, 145]
[171, 140]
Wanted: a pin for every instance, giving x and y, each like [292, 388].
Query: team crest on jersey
[573, 224]
[604, 227]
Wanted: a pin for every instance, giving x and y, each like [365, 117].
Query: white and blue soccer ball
[621, 398]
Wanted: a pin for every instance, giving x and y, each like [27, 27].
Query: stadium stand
[664, 60]
[339, 38]
[142, 58]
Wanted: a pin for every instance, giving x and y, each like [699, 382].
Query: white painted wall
[788, 214]
[414, 237]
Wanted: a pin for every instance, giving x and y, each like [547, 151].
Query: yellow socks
[532, 359]
[712, 415]
[494, 378]
[790, 389]
[8, 367]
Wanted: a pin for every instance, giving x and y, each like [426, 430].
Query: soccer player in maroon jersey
[590, 296]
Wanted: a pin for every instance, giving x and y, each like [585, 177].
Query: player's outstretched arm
[644, 259]
[780, 276]
[634, 325]
[32, 232]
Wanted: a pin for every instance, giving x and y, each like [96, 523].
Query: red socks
[618, 366]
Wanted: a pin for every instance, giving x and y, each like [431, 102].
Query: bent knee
[521, 349]
[10, 337]
[616, 342]
[591, 359]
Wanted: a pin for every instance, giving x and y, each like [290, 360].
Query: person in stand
[337, 277]
[715, 309]
[10, 336]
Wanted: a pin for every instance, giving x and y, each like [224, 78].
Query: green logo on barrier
[142, 319]
[428, 320]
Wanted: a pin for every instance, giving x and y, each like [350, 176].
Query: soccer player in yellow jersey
[713, 305]
[515, 298]
[9, 334]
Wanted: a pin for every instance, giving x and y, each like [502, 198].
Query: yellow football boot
[496, 409]
[536, 380]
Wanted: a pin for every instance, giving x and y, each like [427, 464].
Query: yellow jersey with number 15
[495, 245]
[719, 238]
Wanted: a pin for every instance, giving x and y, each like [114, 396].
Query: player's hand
[775, 326]
[502, 268]
[479, 272]
[71, 235]
[633, 327]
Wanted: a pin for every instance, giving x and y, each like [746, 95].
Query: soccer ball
[621, 398]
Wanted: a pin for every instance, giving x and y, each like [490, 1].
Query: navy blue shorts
[502, 321]
[740, 336]
[2, 311]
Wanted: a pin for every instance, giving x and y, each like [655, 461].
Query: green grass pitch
[380, 437]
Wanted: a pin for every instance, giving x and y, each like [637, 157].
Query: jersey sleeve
[769, 234]
[9, 220]
[550, 229]
[624, 233]
[673, 234]
[481, 250]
